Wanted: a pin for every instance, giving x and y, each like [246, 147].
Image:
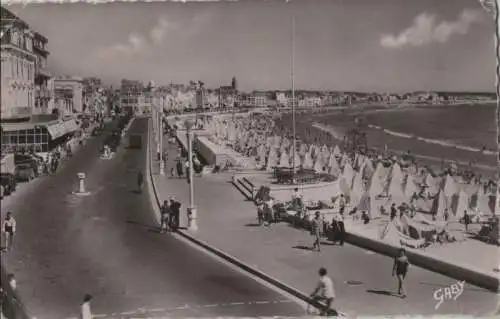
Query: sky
[349, 45]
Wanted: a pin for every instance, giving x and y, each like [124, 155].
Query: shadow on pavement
[381, 292]
[302, 247]
[252, 225]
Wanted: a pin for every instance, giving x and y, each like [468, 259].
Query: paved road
[106, 244]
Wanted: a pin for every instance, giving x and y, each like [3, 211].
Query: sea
[463, 134]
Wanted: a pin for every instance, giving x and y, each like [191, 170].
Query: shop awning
[59, 129]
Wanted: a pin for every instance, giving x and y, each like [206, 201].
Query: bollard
[81, 177]
[192, 223]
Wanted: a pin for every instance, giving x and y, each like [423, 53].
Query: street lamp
[191, 211]
[160, 143]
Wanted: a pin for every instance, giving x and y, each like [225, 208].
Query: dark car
[24, 173]
[8, 181]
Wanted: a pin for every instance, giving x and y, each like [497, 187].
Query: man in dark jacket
[175, 207]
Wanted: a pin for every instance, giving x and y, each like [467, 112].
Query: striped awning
[59, 129]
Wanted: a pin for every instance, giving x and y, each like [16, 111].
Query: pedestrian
[446, 214]
[260, 212]
[175, 206]
[172, 172]
[179, 167]
[164, 216]
[315, 231]
[325, 292]
[341, 226]
[400, 270]
[86, 312]
[394, 211]
[342, 203]
[9, 229]
[466, 221]
[268, 211]
[140, 181]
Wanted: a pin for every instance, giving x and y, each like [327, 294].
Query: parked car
[8, 181]
[24, 172]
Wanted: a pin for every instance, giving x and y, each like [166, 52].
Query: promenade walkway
[362, 278]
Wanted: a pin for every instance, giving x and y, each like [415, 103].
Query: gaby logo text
[448, 293]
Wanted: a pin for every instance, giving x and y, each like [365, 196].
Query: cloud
[426, 30]
[160, 30]
[137, 43]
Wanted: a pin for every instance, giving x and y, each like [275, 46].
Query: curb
[156, 204]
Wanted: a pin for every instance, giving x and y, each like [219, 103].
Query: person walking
[400, 270]
[324, 292]
[467, 221]
[341, 227]
[394, 211]
[260, 212]
[86, 311]
[175, 207]
[9, 229]
[164, 216]
[315, 231]
[342, 203]
[140, 181]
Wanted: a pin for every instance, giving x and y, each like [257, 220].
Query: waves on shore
[433, 141]
[339, 135]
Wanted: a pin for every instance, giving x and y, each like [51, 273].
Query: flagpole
[293, 99]
[497, 87]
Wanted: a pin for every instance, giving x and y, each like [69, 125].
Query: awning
[59, 129]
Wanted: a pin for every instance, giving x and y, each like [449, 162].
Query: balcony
[42, 71]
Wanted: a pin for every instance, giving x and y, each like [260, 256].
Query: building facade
[131, 95]
[17, 68]
[68, 95]
[44, 88]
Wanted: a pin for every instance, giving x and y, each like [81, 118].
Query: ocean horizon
[460, 133]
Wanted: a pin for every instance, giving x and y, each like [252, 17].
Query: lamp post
[160, 123]
[191, 211]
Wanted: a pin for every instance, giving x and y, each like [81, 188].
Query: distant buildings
[131, 95]
[68, 95]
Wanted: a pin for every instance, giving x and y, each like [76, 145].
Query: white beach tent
[284, 160]
[460, 203]
[308, 163]
[336, 151]
[410, 188]
[439, 205]
[395, 189]
[272, 160]
[348, 174]
[365, 204]
[318, 164]
[357, 189]
[368, 169]
[449, 186]
[335, 169]
[482, 201]
[432, 184]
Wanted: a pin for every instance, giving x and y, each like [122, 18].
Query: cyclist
[324, 292]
